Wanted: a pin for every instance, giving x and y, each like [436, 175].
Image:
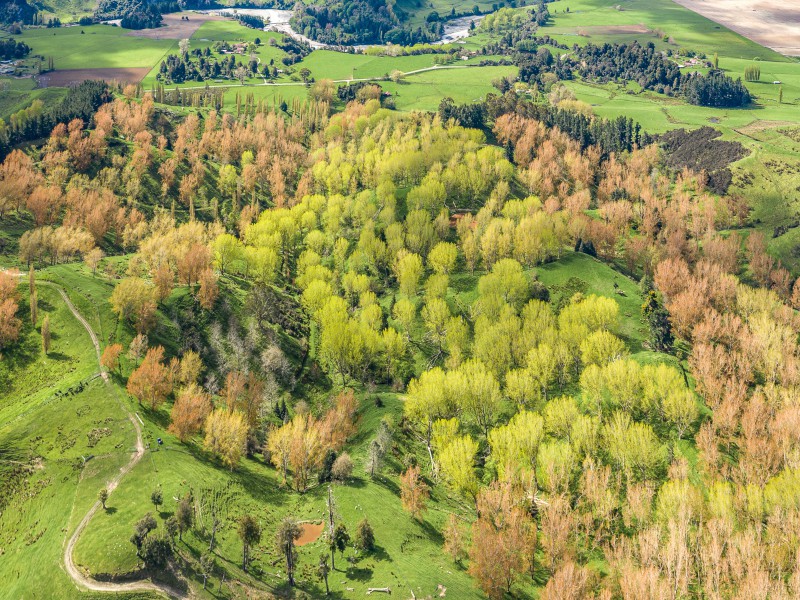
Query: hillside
[513, 316]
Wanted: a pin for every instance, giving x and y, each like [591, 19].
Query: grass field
[424, 91]
[51, 436]
[69, 11]
[96, 46]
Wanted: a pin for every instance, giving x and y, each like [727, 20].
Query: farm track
[81, 579]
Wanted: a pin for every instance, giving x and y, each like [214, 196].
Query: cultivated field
[771, 23]
[176, 26]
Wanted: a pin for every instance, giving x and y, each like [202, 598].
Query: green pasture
[95, 47]
[69, 11]
[424, 91]
[72, 444]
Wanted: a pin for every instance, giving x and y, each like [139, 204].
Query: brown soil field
[310, 533]
[72, 76]
[771, 23]
[174, 28]
[617, 29]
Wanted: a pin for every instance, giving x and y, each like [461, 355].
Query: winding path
[80, 578]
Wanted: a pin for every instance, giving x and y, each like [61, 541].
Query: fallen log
[385, 590]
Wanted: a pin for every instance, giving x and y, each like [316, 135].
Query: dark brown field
[66, 77]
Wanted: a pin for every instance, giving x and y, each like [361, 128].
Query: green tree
[288, 533]
[365, 537]
[156, 551]
[408, 269]
[185, 515]
[103, 497]
[250, 534]
[457, 465]
[323, 569]
[442, 258]
[157, 498]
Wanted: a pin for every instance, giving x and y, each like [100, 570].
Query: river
[454, 30]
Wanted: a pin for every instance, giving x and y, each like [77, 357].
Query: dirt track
[771, 23]
[84, 581]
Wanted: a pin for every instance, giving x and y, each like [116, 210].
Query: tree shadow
[361, 574]
[110, 510]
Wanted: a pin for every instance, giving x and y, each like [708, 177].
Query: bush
[365, 537]
[342, 467]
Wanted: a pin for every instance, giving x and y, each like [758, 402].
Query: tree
[150, 381]
[408, 270]
[46, 334]
[342, 467]
[171, 525]
[457, 464]
[138, 347]
[601, 348]
[454, 542]
[157, 498]
[10, 325]
[442, 258]
[133, 300]
[110, 356]
[340, 539]
[288, 532]
[184, 515]
[226, 436]
[365, 537]
[680, 409]
[375, 454]
[323, 569]
[250, 533]
[164, 280]
[206, 566]
[209, 289]
[140, 531]
[191, 368]
[103, 497]
[34, 306]
[191, 408]
[414, 492]
[156, 551]
[93, 258]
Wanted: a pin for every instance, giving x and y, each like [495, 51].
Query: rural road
[81, 579]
